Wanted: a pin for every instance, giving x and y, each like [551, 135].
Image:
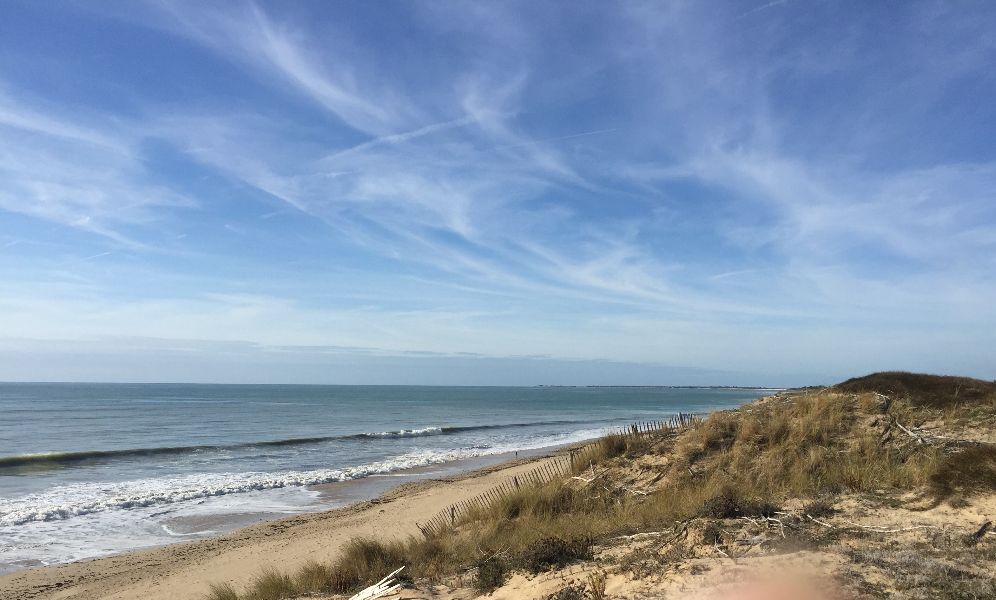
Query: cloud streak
[657, 170]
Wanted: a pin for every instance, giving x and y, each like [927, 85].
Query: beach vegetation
[222, 591]
[272, 584]
[490, 574]
[811, 446]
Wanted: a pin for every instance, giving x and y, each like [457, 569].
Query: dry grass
[222, 591]
[814, 444]
[271, 584]
[609, 447]
[929, 574]
[733, 464]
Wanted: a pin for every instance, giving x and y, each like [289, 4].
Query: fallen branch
[637, 536]
[872, 528]
[884, 529]
[720, 550]
[781, 526]
[819, 522]
[922, 437]
[919, 438]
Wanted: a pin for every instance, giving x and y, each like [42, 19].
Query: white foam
[79, 499]
[404, 433]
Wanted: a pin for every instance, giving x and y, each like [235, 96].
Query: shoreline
[372, 506]
[294, 500]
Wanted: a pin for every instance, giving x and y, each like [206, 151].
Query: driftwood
[919, 438]
[884, 529]
[872, 528]
[639, 536]
[382, 588]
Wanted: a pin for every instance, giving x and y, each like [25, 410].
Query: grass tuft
[222, 591]
[271, 584]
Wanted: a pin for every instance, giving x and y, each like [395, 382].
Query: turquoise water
[91, 469]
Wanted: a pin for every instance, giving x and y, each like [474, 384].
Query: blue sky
[477, 192]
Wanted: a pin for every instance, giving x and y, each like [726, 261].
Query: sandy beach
[185, 570]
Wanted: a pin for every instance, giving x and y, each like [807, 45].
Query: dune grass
[817, 444]
[732, 464]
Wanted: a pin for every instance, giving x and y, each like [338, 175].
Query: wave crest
[85, 498]
[55, 460]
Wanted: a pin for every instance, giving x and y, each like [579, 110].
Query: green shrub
[491, 574]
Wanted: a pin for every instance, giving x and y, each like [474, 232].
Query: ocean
[93, 469]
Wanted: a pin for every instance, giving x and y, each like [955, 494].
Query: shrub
[554, 552]
[573, 591]
[971, 470]
[819, 509]
[728, 503]
[491, 574]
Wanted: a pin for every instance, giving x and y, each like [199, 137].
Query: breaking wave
[49, 460]
[79, 499]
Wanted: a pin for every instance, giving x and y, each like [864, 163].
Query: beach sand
[185, 570]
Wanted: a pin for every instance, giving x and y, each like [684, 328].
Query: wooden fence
[559, 467]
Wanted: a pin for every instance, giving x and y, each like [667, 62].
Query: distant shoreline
[403, 385]
[672, 387]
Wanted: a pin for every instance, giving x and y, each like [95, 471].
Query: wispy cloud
[76, 174]
[651, 181]
[249, 36]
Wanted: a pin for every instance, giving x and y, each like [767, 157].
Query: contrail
[553, 139]
[762, 7]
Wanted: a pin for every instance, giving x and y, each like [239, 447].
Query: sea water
[93, 469]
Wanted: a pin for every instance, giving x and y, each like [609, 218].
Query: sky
[752, 192]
